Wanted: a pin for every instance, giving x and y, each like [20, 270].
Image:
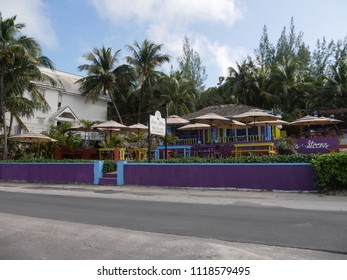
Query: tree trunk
[2, 108]
[116, 108]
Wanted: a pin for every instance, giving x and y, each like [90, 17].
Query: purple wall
[298, 177]
[317, 145]
[48, 172]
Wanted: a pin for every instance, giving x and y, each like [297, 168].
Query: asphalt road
[275, 226]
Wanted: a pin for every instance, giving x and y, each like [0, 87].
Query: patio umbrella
[233, 124]
[194, 126]
[110, 126]
[176, 120]
[32, 138]
[271, 123]
[255, 115]
[212, 119]
[310, 120]
[137, 128]
[82, 128]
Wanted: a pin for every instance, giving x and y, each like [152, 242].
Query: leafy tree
[20, 58]
[290, 86]
[211, 96]
[337, 82]
[64, 136]
[145, 59]
[105, 76]
[265, 53]
[322, 58]
[177, 93]
[190, 64]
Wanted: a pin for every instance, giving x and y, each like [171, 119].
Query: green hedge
[36, 160]
[330, 171]
[296, 158]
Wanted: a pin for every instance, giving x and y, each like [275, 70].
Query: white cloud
[169, 11]
[36, 18]
[226, 57]
[168, 21]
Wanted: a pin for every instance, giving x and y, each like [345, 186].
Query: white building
[66, 104]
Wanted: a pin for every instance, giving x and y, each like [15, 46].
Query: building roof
[65, 82]
[227, 110]
[64, 114]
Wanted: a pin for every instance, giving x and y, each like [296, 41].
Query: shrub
[295, 158]
[109, 166]
[330, 171]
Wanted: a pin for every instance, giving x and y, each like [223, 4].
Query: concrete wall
[288, 177]
[49, 172]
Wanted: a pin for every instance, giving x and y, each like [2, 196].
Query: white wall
[70, 97]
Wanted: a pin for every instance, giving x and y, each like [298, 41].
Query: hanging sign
[157, 124]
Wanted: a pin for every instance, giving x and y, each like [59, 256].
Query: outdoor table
[138, 153]
[112, 153]
[106, 153]
[254, 149]
[186, 150]
[208, 150]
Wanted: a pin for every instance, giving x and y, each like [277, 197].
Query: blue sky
[223, 32]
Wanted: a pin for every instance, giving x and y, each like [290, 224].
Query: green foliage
[34, 159]
[109, 166]
[330, 171]
[286, 146]
[297, 158]
[190, 64]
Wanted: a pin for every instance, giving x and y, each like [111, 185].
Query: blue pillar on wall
[98, 165]
[120, 172]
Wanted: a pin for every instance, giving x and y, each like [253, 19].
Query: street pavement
[50, 239]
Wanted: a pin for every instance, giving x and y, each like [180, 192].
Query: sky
[223, 32]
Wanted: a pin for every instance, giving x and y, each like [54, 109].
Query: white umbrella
[310, 120]
[194, 126]
[137, 128]
[109, 125]
[271, 123]
[213, 120]
[255, 115]
[32, 138]
[176, 120]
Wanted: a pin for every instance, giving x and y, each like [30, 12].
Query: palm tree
[145, 59]
[177, 93]
[20, 58]
[240, 83]
[337, 82]
[291, 86]
[105, 75]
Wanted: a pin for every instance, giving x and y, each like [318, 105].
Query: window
[60, 99]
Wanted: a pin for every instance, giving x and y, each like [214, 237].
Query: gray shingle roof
[65, 81]
[227, 110]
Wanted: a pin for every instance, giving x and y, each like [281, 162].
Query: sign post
[157, 126]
